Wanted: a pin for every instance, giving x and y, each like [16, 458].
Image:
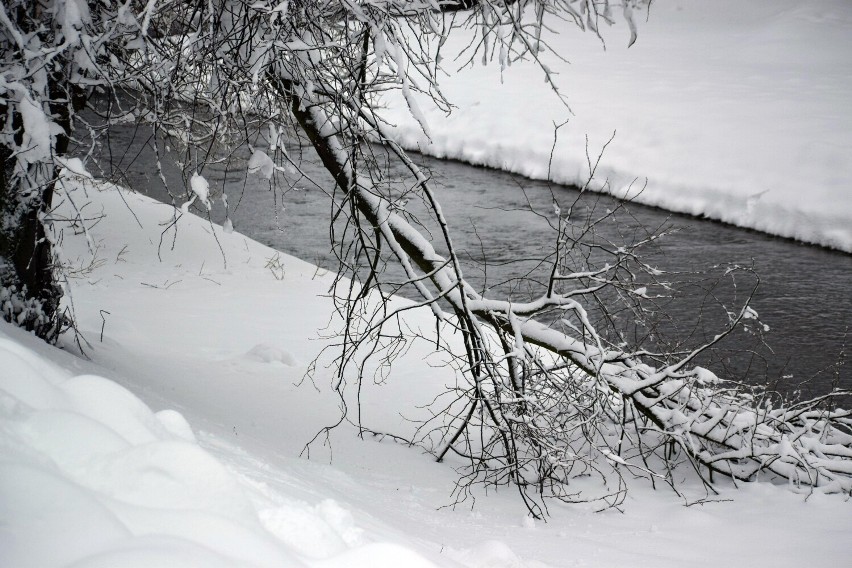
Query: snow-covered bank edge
[91, 476]
[732, 112]
[749, 212]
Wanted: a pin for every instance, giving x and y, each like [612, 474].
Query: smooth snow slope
[205, 472]
[738, 111]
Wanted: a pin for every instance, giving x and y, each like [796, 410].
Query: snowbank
[738, 111]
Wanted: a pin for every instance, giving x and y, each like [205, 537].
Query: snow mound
[268, 354]
[91, 477]
[321, 531]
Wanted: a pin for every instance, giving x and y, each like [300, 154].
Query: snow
[177, 442]
[200, 189]
[734, 111]
[73, 16]
[178, 438]
[261, 163]
[38, 132]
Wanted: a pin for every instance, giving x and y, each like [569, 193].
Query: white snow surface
[737, 111]
[177, 442]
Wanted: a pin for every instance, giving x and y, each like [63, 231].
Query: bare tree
[552, 390]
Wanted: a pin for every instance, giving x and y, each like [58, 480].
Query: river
[805, 296]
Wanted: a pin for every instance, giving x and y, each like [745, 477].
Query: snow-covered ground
[177, 443]
[738, 111]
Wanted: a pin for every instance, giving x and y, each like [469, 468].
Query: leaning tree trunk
[29, 293]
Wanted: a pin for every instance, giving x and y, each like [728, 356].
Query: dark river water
[805, 296]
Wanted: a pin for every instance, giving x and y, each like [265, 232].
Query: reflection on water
[805, 295]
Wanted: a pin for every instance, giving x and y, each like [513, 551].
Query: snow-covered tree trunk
[35, 124]
[545, 403]
[54, 54]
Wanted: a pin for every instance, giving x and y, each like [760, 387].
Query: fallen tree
[545, 404]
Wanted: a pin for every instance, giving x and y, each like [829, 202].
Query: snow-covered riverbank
[176, 440]
[205, 472]
[738, 111]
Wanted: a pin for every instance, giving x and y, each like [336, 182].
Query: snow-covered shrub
[28, 313]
